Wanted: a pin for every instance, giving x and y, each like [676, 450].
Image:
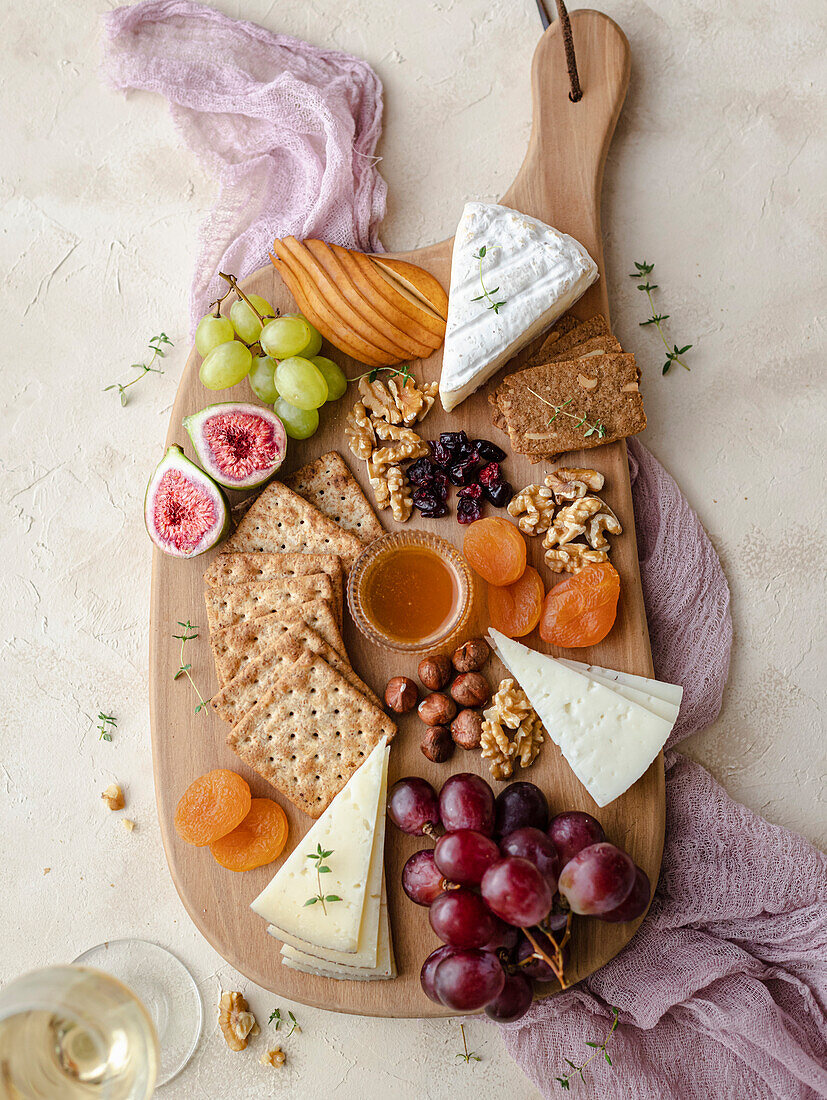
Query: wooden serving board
[560, 183]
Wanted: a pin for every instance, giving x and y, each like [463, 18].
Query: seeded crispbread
[234, 646]
[228, 604]
[557, 331]
[329, 485]
[242, 567]
[309, 734]
[533, 393]
[280, 521]
[261, 673]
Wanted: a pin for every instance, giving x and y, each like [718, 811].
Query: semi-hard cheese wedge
[608, 741]
[384, 969]
[511, 277]
[366, 951]
[346, 830]
[617, 682]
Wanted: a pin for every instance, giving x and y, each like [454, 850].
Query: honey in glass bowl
[409, 591]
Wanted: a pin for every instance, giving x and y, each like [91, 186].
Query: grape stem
[231, 279]
[216, 305]
[555, 961]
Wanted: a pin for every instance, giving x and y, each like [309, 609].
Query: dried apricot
[515, 609]
[496, 550]
[581, 610]
[259, 839]
[212, 806]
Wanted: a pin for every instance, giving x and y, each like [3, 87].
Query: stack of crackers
[579, 379]
[300, 715]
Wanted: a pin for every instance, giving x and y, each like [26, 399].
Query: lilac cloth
[723, 991]
[288, 130]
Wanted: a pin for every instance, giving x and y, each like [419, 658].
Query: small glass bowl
[399, 539]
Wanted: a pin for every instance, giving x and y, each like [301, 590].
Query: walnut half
[113, 797]
[359, 432]
[573, 557]
[573, 482]
[236, 1021]
[400, 494]
[570, 522]
[533, 508]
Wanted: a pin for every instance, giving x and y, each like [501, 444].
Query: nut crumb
[128, 825]
[275, 1057]
[46, 870]
[113, 797]
[236, 1021]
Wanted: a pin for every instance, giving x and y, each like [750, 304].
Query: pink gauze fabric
[723, 991]
[289, 130]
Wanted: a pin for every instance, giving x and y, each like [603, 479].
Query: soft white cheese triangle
[346, 829]
[535, 271]
[607, 741]
[366, 951]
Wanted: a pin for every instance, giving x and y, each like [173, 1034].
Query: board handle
[569, 141]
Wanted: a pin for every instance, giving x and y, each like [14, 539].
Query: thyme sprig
[156, 344]
[107, 723]
[466, 1055]
[188, 634]
[644, 270]
[319, 857]
[372, 375]
[598, 1048]
[276, 1015]
[487, 294]
[597, 428]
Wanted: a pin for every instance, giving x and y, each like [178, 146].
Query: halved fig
[239, 445]
[185, 511]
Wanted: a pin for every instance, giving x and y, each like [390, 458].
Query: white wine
[74, 1033]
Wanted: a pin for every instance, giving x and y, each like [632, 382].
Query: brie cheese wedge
[607, 740]
[346, 830]
[530, 271]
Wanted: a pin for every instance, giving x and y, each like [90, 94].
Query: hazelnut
[401, 694]
[434, 672]
[471, 690]
[471, 656]
[437, 709]
[466, 729]
[437, 744]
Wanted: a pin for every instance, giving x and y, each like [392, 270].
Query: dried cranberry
[488, 451]
[500, 494]
[490, 475]
[424, 497]
[439, 485]
[452, 441]
[421, 472]
[440, 453]
[463, 473]
[435, 510]
[473, 491]
[468, 510]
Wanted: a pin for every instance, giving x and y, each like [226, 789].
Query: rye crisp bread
[309, 734]
[280, 521]
[615, 402]
[234, 646]
[228, 604]
[555, 333]
[329, 485]
[242, 567]
[261, 673]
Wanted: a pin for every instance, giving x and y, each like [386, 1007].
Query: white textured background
[716, 173]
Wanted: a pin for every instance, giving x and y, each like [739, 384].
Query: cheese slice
[385, 964]
[366, 951]
[607, 741]
[346, 829]
[616, 681]
[670, 693]
[536, 273]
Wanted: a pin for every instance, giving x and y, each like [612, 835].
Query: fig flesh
[185, 511]
[239, 445]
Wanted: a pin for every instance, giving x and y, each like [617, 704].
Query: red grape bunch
[501, 885]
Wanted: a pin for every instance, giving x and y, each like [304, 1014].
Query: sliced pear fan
[376, 310]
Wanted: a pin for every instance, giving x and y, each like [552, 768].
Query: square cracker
[329, 485]
[262, 672]
[280, 521]
[228, 604]
[242, 567]
[309, 734]
[558, 330]
[235, 646]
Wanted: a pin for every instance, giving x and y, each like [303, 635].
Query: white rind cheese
[537, 272]
[664, 708]
[608, 741]
[346, 829]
